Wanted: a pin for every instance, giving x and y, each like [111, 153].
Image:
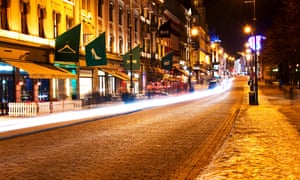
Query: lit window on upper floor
[100, 8]
[111, 43]
[111, 11]
[69, 22]
[3, 14]
[136, 21]
[84, 4]
[128, 18]
[120, 45]
[88, 5]
[128, 40]
[24, 8]
[120, 15]
[56, 21]
[41, 18]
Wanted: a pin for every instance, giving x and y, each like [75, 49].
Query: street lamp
[196, 40]
[253, 86]
[194, 32]
[130, 54]
[255, 52]
[213, 58]
[188, 16]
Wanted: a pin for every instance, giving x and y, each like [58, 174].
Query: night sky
[226, 19]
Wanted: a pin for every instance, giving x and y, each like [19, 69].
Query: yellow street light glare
[247, 29]
[213, 45]
[194, 32]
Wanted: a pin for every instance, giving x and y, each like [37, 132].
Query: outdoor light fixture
[188, 16]
[252, 31]
[130, 54]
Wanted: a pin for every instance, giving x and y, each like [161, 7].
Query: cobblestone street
[172, 141]
[263, 143]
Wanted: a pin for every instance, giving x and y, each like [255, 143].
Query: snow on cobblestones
[262, 145]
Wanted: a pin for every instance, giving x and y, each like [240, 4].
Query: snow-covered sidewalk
[262, 145]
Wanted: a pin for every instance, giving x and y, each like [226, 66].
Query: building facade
[30, 71]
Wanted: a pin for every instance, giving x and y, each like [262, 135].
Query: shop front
[100, 84]
[27, 76]
[27, 81]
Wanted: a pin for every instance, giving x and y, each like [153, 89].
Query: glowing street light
[253, 101]
[194, 32]
[247, 29]
[255, 53]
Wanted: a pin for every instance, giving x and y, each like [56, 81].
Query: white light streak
[21, 123]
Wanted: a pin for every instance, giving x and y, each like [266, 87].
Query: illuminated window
[3, 14]
[84, 4]
[147, 45]
[136, 20]
[69, 22]
[100, 8]
[111, 11]
[88, 5]
[111, 43]
[120, 45]
[128, 18]
[41, 16]
[128, 42]
[24, 7]
[56, 20]
[120, 16]
[196, 3]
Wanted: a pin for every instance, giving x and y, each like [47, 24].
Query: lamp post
[255, 52]
[188, 15]
[253, 86]
[213, 46]
[130, 54]
[195, 33]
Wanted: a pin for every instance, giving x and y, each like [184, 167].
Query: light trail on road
[22, 123]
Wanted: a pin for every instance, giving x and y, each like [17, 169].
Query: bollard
[252, 98]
